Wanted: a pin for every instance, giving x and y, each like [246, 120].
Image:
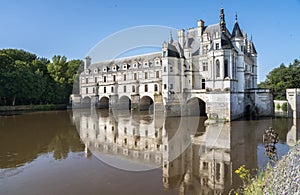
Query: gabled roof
[236, 32]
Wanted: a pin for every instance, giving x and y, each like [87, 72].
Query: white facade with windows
[207, 63]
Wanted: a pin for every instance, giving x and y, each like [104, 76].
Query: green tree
[281, 78]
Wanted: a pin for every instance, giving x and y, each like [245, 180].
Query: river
[122, 152]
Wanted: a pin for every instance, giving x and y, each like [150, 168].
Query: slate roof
[236, 32]
[129, 60]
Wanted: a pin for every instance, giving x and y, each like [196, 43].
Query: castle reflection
[195, 159]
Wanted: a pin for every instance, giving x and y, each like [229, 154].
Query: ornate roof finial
[171, 38]
[222, 20]
[236, 17]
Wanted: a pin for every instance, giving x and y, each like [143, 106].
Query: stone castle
[207, 71]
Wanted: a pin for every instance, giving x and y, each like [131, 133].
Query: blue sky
[72, 28]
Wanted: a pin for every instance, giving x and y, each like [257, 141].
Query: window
[86, 80]
[112, 89]
[124, 89]
[226, 68]
[93, 90]
[146, 75]
[204, 50]
[217, 46]
[133, 88]
[205, 66]
[155, 87]
[104, 90]
[146, 88]
[135, 76]
[217, 68]
[146, 133]
[165, 86]
[165, 69]
[203, 83]
[164, 54]
[171, 86]
[95, 79]
[104, 79]
[124, 76]
[171, 69]
[157, 74]
[114, 78]
[86, 90]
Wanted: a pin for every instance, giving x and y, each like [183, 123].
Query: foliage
[252, 185]
[284, 107]
[281, 78]
[27, 79]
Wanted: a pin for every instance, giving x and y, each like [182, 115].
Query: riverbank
[7, 110]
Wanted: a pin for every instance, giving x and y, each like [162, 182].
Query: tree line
[281, 78]
[28, 79]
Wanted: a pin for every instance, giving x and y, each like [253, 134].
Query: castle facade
[209, 71]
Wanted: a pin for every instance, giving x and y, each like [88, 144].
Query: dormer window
[87, 71]
[105, 69]
[164, 54]
[114, 67]
[146, 64]
[125, 66]
[157, 61]
[217, 46]
[96, 70]
[135, 64]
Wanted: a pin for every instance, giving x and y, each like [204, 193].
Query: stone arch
[146, 103]
[103, 102]
[86, 101]
[196, 106]
[124, 103]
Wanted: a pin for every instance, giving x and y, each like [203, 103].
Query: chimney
[181, 37]
[87, 62]
[200, 24]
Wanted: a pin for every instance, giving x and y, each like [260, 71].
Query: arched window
[217, 68]
[112, 89]
[133, 88]
[226, 68]
[155, 87]
[146, 88]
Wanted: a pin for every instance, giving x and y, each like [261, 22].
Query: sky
[73, 27]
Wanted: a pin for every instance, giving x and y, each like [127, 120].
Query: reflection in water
[25, 137]
[189, 158]
[138, 141]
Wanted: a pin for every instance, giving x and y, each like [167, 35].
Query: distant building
[208, 70]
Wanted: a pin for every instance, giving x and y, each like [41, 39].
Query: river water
[101, 152]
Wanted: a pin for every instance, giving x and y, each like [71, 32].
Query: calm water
[141, 153]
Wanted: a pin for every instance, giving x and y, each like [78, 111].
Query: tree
[281, 78]
[28, 79]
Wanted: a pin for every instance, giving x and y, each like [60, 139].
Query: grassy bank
[21, 108]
